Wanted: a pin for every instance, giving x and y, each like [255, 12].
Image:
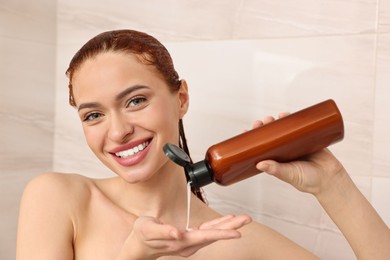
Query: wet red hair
[147, 49]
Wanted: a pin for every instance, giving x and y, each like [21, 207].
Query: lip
[132, 160]
[129, 145]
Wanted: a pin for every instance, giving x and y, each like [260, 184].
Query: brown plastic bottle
[285, 139]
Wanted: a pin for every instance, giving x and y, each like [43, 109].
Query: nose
[120, 128]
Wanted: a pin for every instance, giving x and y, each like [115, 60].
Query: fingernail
[174, 234]
[247, 221]
[262, 166]
[237, 235]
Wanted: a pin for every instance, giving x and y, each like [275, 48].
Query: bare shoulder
[269, 244]
[257, 241]
[56, 180]
[58, 187]
[55, 193]
[47, 215]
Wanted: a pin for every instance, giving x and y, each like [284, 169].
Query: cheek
[92, 137]
[166, 116]
[164, 120]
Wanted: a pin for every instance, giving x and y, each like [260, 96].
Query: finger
[235, 222]
[202, 236]
[268, 119]
[192, 241]
[152, 229]
[283, 114]
[287, 172]
[216, 221]
[257, 123]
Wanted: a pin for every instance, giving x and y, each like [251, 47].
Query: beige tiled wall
[242, 60]
[27, 91]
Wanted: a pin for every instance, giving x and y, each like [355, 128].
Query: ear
[184, 99]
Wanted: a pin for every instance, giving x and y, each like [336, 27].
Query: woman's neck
[164, 196]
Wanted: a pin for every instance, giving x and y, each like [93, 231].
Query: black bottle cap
[200, 173]
[176, 154]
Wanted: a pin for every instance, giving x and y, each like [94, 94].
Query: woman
[131, 102]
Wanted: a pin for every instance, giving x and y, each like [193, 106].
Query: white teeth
[132, 151]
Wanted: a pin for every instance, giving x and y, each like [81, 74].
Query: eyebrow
[128, 91]
[118, 97]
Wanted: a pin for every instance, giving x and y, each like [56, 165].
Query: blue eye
[136, 101]
[92, 116]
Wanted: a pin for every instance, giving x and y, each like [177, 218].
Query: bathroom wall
[247, 59]
[243, 60]
[27, 91]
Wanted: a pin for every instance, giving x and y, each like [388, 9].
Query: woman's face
[128, 113]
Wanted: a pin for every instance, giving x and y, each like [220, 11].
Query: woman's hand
[322, 175]
[313, 174]
[151, 238]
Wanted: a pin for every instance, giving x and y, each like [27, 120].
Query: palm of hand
[151, 238]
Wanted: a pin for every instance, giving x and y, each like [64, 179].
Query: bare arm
[361, 225]
[45, 229]
[322, 175]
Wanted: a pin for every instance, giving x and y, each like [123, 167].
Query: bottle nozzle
[199, 174]
[176, 154]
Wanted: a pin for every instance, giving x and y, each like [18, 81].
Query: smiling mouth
[132, 151]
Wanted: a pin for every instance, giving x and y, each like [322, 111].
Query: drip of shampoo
[188, 205]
